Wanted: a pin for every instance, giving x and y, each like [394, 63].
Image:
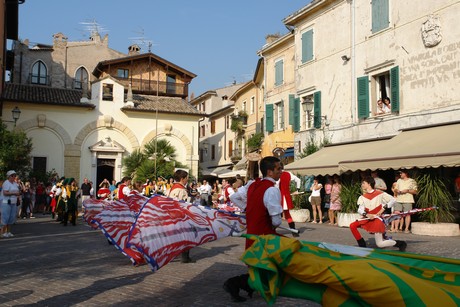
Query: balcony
[152, 87]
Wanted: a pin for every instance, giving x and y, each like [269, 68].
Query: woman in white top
[316, 200]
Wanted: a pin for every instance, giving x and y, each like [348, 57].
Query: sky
[216, 40]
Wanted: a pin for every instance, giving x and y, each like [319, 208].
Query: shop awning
[219, 170]
[421, 148]
[326, 160]
[233, 174]
[289, 152]
[242, 164]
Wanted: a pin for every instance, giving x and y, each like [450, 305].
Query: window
[213, 126]
[279, 72]
[203, 106]
[107, 92]
[39, 165]
[123, 73]
[171, 84]
[252, 106]
[294, 113]
[279, 118]
[380, 15]
[386, 84]
[213, 152]
[230, 148]
[306, 117]
[228, 121]
[244, 106]
[307, 46]
[81, 78]
[269, 117]
[39, 73]
[202, 131]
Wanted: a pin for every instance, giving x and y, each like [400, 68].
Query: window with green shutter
[317, 110]
[296, 119]
[394, 88]
[380, 15]
[363, 97]
[279, 73]
[269, 117]
[291, 109]
[307, 46]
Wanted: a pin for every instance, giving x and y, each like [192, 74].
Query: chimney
[270, 38]
[134, 49]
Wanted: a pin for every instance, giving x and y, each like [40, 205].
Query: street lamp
[307, 106]
[16, 113]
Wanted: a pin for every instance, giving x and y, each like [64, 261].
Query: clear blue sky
[215, 39]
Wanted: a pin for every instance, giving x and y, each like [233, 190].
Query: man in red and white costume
[286, 199]
[263, 216]
[372, 204]
[123, 189]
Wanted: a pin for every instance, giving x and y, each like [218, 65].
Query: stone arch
[170, 132]
[43, 122]
[106, 122]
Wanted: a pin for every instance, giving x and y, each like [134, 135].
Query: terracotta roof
[43, 95]
[149, 103]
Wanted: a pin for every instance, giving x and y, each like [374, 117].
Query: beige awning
[326, 161]
[219, 170]
[421, 148]
[232, 174]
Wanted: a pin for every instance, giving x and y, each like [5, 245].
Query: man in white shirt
[205, 192]
[379, 183]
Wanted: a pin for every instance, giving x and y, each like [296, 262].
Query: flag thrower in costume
[339, 275]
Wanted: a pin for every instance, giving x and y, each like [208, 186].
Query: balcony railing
[152, 87]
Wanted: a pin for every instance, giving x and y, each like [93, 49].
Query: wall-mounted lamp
[16, 113]
[324, 121]
[345, 58]
[205, 146]
[307, 106]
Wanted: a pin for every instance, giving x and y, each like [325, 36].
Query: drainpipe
[353, 65]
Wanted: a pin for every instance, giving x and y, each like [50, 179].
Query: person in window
[386, 105]
[380, 107]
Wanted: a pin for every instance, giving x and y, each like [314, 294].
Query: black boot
[232, 286]
[245, 285]
[361, 243]
[401, 245]
[292, 226]
[185, 257]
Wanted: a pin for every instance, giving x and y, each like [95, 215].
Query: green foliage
[237, 125]
[14, 151]
[140, 164]
[255, 141]
[300, 201]
[312, 147]
[432, 191]
[349, 195]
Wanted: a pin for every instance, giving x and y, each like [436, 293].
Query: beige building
[133, 99]
[349, 54]
[281, 103]
[216, 138]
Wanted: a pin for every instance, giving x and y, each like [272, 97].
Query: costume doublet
[372, 203]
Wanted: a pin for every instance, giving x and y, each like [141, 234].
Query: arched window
[81, 78]
[39, 73]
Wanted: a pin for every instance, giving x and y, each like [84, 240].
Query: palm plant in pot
[433, 192]
[301, 212]
[349, 195]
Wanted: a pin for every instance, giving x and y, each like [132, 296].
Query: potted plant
[349, 195]
[301, 212]
[432, 191]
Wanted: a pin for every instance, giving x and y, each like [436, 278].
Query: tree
[14, 151]
[140, 164]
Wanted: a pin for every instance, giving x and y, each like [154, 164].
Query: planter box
[300, 215]
[345, 219]
[436, 230]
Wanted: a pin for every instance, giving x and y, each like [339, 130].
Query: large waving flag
[338, 275]
[165, 228]
[159, 229]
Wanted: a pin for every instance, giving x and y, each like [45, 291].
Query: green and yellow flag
[339, 275]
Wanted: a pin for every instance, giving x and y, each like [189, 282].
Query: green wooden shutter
[291, 109]
[363, 97]
[317, 110]
[307, 46]
[279, 73]
[296, 125]
[380, 15]
[269, 117]
[394, 88]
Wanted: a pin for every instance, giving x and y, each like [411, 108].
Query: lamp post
[16, 113]
[307, 106]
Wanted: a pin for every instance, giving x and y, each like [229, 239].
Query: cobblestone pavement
[46, 264]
